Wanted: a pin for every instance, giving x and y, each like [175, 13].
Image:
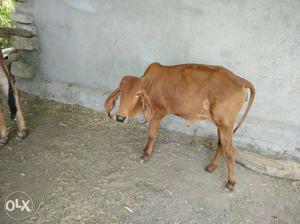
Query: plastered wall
[85, 47]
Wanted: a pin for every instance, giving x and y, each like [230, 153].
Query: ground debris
[128, 209]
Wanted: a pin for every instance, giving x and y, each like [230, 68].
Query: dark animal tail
[11, 102]
[249, 85]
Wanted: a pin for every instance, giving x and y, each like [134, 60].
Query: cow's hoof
[142, 161]
[21, 135]
[144, 158]
[230, 185]
[210, 168]
[4, 140]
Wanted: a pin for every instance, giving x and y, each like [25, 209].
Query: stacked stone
[23, 17]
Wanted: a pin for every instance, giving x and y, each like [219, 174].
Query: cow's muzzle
[120, 118]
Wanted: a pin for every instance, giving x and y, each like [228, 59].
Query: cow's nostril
[120, 118]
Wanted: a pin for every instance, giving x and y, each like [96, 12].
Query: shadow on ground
[79, 167]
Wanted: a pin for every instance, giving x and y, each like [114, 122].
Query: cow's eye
[138, 94]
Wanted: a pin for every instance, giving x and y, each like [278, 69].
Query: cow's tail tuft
[248, 85]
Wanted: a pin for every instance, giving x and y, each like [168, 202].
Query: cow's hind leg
[153, 130]
[218, 156]
[3, 128]
[226, 134]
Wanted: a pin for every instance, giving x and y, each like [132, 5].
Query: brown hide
[193, 92]
[196, 92]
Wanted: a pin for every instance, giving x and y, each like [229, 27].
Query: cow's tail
[11, 96]
[248, 85]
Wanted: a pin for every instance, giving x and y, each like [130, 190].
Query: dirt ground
[79, 167]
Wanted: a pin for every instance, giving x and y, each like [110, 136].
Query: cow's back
[188, 90]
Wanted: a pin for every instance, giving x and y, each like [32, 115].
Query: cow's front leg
[153, 130]
[3, 128]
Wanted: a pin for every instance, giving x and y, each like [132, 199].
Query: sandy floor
[79, 167]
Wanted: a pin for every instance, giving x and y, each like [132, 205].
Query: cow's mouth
[120, 118]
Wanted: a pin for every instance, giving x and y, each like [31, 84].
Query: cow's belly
[193, 112]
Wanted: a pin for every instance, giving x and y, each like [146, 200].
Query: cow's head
[133, 100]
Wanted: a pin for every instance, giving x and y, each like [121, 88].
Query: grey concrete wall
[86, 46]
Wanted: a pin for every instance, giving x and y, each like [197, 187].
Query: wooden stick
[193, 142]
[273, 167]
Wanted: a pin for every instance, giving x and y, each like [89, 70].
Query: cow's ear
[111, 101]
[147, 107]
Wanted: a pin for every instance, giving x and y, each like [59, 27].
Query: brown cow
[191, 91]
[10, 90]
